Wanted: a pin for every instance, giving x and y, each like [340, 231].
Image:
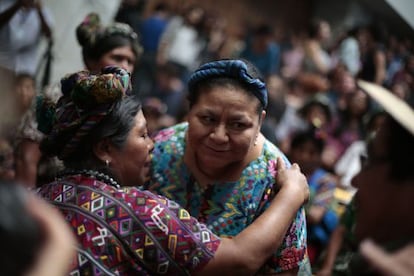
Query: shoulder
[166, 134]
[272, 152]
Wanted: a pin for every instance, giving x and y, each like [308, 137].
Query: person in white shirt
[22, 25]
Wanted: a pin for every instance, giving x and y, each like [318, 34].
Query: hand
[59, 247]
[292, 179]
[400, 262]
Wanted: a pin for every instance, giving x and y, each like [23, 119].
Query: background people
[115, 44]
[384, 193]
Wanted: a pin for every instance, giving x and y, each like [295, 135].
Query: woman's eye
[207, 119]
[237, 125]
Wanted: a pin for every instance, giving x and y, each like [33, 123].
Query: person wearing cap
[219, 166]
[98, 130]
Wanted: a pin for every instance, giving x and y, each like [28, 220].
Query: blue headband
[235, 69]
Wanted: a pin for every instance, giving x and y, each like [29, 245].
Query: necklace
[91, 173]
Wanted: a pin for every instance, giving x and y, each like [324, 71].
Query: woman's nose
[219, 134]
[151, 145]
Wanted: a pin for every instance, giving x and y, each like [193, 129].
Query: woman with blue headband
[98, 130]
[219, 166]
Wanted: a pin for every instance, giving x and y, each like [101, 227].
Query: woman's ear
[102, 150]
[262, 117]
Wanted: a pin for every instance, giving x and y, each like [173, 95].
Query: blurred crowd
[317, 114]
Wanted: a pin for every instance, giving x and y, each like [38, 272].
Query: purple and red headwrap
[86, 100]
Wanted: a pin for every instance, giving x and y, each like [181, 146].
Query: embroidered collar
[91, 173]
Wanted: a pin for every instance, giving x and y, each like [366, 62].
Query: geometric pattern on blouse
[110, 228]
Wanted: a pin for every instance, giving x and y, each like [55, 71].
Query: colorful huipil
[126, 231]
[227, 208]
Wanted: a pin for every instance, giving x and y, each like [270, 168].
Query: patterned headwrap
[236, 69]
[86, 100]
[91, 33]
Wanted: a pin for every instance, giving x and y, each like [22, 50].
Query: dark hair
[96, 40]
[400, 150]
[211, 81]
[371, 118]
[21, 235]
[263, 30]
[309, 135]
[314, 27]
[346, 116]
[115, 126]
[161, 7]
[377, 31]
[317, 100]
[170, 69]
[23, 76]
[96, 51]
[199, 25]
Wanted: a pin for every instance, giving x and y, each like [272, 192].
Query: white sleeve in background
[349, 164]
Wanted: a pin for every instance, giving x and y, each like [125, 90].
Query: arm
[380, 70]
[400, 262]
[315, 214]
[166, 40]
[46, 30]
[248, 251]
[333, 248]
[316, 58]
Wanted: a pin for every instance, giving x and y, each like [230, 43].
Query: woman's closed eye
[237, 125]
[207, 119]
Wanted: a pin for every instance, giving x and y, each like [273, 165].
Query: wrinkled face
[223, 127]
[122, 57]
[131, 164]
[375, 191]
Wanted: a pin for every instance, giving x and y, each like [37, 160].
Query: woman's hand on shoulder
[292, 181]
